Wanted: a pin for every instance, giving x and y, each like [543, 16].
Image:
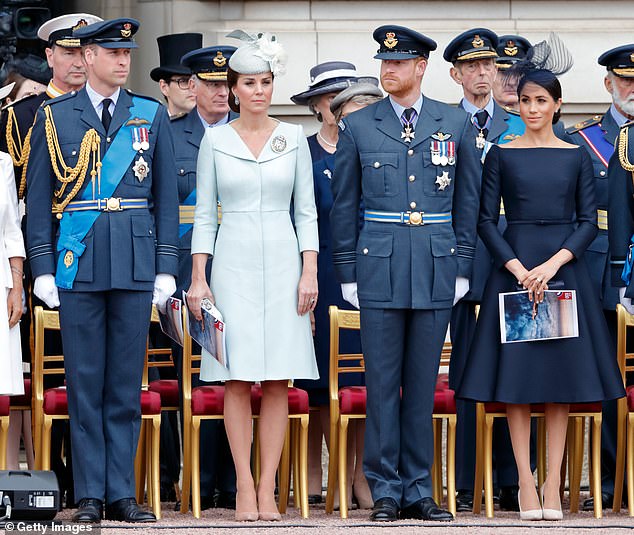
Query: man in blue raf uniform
[208, 67]
[473, 55]
[105, 255]
[511, 49]
[413, 161]
[599, 135]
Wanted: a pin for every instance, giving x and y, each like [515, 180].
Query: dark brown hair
[232, 80]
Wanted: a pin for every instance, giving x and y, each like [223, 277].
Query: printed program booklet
[210, 332]
[171, 320]
[555, 317]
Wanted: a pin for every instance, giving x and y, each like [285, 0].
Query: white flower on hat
[269, 49]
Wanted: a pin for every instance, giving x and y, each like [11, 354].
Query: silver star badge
[443, 181]
[140, 169]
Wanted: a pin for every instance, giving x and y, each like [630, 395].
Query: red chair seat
[297, 400]
[630, 398]
[539, 407]
[150, 403]
[352, 400]
[442, 381]
[444, 402]
[4, 405]
[168, 390]
[208, 401]
[25, 399]
[55, 402]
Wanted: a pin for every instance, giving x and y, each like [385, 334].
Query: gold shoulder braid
[24, 161]
[15, 149]
[623, 158]
[89, 146]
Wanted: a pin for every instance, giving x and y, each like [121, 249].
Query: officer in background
[171, 75]
[114, 203]
[510, 50]
[413, 160]
[599, 135]
[473, 56]
[208, 84]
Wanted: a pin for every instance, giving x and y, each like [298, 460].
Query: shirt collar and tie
[98, 101]
[205, 124]
[480, 117]
[399, 110]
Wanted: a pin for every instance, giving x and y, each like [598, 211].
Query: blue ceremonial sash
[595, 139]
[515, 128]
[74, 226]
[184, 228]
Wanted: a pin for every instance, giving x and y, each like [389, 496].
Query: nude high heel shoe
[531, 514]
[550, 514]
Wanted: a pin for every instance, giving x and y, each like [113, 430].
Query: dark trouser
[217, 471]
[104, 336]
[463, 322]
[402, 350]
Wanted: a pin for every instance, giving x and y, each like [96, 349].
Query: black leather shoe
[508, 499]
[464, 501]
[207, 502]
[225, 500]
[426, 509]
[89, 510]
[127, 510]
[384, 510]
[606, 498]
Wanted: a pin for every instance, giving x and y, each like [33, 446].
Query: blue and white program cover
[555, 317]
[210, 332]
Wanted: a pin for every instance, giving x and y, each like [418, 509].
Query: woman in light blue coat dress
[264, 274]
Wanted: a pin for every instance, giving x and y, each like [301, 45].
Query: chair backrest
[625, 322]
[45, 320]
[156, 357]
[342, 363]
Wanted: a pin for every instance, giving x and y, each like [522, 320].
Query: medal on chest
[408, 133]
[480, 140]
[140, 139]
[443, 181]
[443, 152]
[140, 169]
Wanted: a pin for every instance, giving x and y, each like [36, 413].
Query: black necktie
[481, 118]
[408, 115]
[106, 118]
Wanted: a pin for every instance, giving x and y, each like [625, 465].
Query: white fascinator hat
[258, 53]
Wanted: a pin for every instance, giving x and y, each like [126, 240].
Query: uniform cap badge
[80, 24]
[278, 143]
[510, 49]
[140, 169]
[477, 42]
[220, 60]
[126, 31]
[390, 40]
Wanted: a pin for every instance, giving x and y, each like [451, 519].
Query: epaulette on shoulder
[61, 98]
[584, 124]
[133, 94]
[19, 101]
[178, 116]
[510, 110]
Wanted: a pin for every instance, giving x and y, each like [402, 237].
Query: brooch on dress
[278, 143]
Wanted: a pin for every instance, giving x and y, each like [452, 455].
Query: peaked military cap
[59, 31]
[619, 60]
[511, 49]
[328, 77]
[115, 33]
[477, 43]
[398, 42]
[210, 63]
[172, 48]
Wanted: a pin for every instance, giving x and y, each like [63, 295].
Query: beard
[398, 86]
[626, 105]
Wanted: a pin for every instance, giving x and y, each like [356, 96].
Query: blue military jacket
[398, 265]
[125, 249]
[598, 136]
[187, 133]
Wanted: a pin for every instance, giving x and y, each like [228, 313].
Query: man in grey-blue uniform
[106, 254]
[413, 161]
[599, 135]
[473, 56]
[208, 67]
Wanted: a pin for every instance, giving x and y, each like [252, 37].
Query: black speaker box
[34, 494]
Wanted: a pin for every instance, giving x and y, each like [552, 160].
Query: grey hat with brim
[369, 87]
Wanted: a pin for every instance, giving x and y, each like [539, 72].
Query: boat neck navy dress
[549, 203]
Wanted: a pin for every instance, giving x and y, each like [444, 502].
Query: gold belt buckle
[415, 218]
[113, 204]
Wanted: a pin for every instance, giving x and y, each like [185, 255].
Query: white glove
[164, 287]
[349, 293]
[626, 301]
[462, 287]
[46, 289]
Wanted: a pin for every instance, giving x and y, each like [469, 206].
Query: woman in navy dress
[548, 193]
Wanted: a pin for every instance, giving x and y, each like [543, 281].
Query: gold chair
[625, 416]
[52, 404]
